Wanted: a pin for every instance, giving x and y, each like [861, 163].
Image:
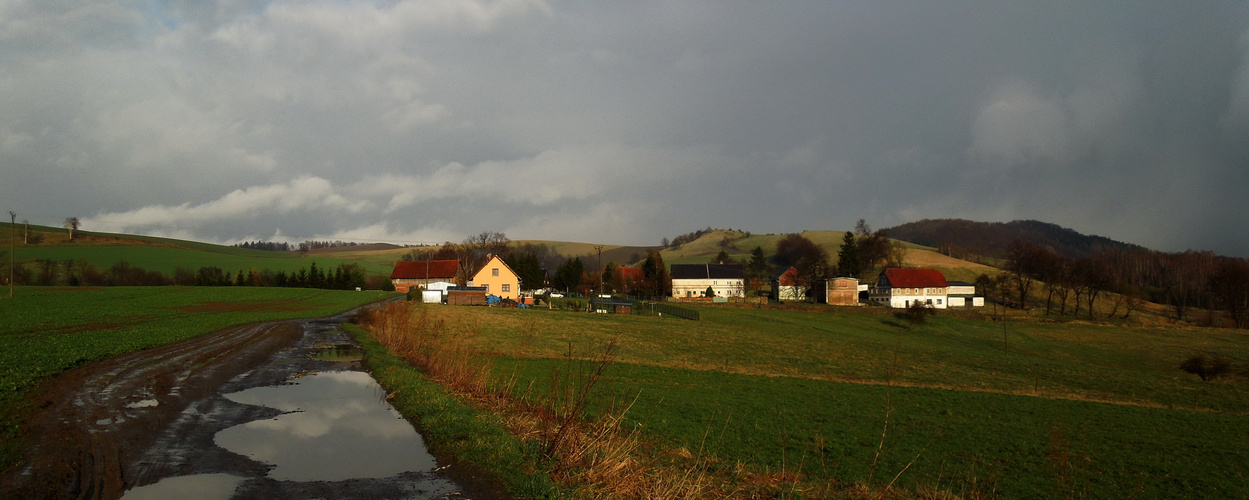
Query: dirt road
[129, 421]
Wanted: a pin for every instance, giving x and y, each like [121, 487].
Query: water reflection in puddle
[200, 487]
[339, 427]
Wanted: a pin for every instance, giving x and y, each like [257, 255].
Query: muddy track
[89, 424]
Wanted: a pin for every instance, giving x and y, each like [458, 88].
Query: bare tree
[896, 256]
[72, 224]
[1025, 260]
[1230, 285]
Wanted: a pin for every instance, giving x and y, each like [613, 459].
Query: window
[494, 272]
[487, 287]
[938, 300]
[507, 288]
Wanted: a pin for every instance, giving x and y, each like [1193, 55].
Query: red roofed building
[630, 278]
[408, 274]
[898, 287]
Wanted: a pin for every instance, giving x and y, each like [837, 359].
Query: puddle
[199, 487]
[340, 354]
[146, 403]
[338, 427]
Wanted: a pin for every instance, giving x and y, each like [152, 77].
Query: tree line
[306, 246]
[71, 272]
[1183, 281]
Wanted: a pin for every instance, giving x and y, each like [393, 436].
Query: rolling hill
[163, 255]
[971, 240]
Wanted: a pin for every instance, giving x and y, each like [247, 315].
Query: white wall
[695, 288]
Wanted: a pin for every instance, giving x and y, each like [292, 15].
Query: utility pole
[599, 249]
[13, 229]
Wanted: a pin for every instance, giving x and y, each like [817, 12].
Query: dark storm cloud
[420, 121]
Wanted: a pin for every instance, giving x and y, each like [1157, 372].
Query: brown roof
[415, 270]
[790, 278]
[915, 278]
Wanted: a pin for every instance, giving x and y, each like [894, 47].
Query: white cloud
[386, 232]
[307, 193]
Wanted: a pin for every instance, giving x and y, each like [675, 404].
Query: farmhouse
[497, 278]
[692, 280]
[789, 285]
[422, 273]
[902, 287]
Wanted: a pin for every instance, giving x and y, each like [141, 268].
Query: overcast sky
[624, 122]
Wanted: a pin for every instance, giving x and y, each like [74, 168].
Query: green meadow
[48, 330]
[965, 405]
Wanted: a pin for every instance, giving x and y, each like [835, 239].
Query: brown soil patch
[81, 431]
[288, 305]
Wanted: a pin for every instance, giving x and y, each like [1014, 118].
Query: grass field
[1071, 410]
[48, 330]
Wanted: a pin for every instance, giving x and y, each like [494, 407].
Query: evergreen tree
[848, 263]
[568, 274]
[528, 268]
[658, 283]
[757, 269]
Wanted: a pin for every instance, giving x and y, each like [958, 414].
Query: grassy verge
[453, 427]
[46, 331]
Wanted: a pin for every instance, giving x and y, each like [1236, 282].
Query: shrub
[917, 313]
[1207, 369]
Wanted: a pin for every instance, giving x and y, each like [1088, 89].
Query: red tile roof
[633, 274]
[915, 278]
[415, 270]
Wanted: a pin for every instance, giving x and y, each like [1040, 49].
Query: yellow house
[497, 278]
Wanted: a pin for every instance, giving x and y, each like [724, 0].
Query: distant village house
[497, 279]
[692, 280]
[789, 285]
[843, 291]
[427, 274]
[902, 287]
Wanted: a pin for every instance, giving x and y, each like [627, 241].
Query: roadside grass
[474, 438]
[48, 330]
[801, 397]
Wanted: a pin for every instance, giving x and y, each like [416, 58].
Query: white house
[902, 287]
[789, 285]
[692, 280]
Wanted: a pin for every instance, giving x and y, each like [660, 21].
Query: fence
[644, 308]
